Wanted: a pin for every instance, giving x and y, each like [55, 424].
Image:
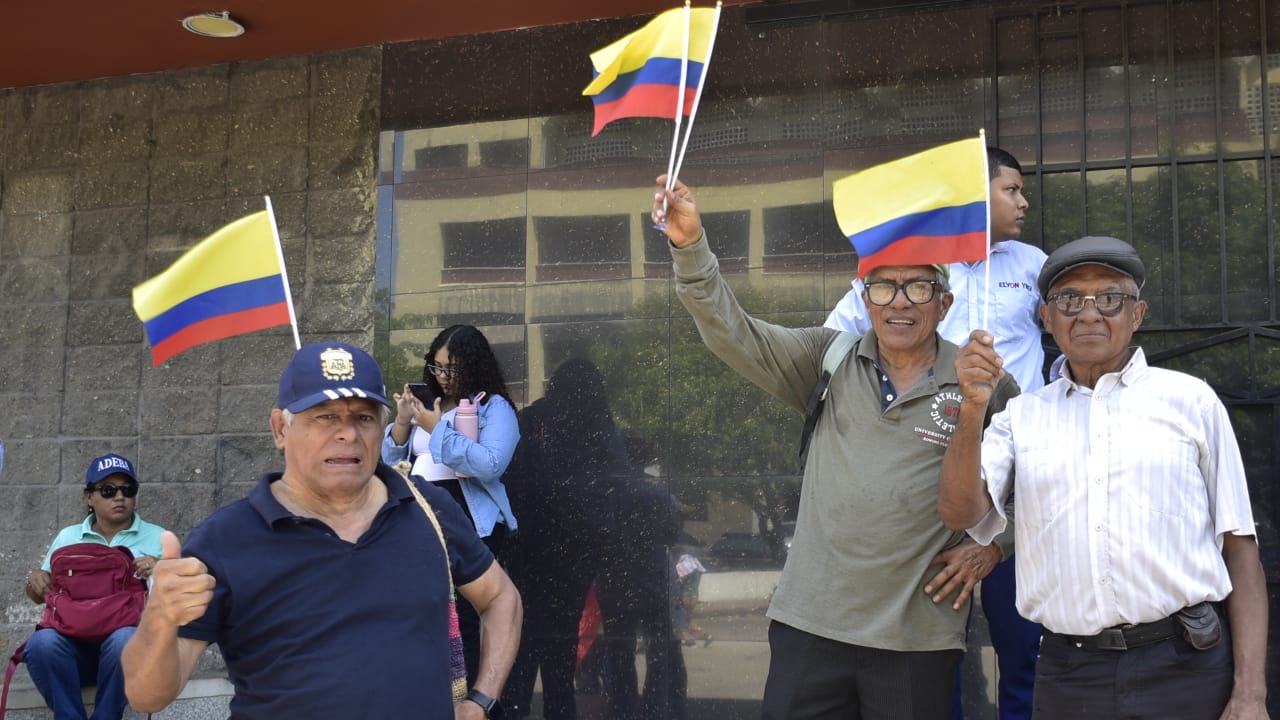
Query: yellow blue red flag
[639, 75]
[923, 209]
[230, 283]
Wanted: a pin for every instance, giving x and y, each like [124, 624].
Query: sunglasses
[109, 491]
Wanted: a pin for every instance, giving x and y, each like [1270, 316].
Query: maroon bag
[94, 591]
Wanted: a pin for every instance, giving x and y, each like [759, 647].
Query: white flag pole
[697, 95]
[986, 270]
[284, 274]
[684, 75]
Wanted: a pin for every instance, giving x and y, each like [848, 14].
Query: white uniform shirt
[1013, 311]
[1123, 494]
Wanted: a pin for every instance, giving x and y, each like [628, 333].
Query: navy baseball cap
[104, 467]
[325, 371]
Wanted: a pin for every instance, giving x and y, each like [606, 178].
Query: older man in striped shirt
[1133, 524]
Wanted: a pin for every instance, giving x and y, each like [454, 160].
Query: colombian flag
[926, 208]
[230, 283]
[639, 75]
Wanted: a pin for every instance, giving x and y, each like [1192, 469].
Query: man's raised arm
[962, 496]
[157, 663]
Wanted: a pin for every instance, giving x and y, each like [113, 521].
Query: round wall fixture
[213, 24]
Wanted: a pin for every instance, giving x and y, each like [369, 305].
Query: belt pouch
[1201, 627]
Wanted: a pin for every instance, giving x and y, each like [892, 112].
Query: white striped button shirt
[1122, 493]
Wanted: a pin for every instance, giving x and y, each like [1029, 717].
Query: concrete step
[204, 698]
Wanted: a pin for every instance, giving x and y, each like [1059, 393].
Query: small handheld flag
[231, 283]
[923, 209]
[645, 73]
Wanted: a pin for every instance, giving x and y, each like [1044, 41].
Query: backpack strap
[8, 675]
[837, 350]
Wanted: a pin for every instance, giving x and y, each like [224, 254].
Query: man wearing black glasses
[1136, 542]
[1000, 290]
[853, 632]
[55, 660]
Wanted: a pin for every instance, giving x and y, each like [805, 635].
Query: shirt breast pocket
[1161, 475]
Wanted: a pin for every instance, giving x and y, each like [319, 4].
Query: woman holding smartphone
[460, 364]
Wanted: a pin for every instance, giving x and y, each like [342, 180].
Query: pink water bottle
[467, 421]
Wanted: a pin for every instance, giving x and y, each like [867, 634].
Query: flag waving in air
[645, 73]
[231, 283]
[926, 208]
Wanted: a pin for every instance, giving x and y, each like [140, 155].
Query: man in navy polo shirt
[326, 588]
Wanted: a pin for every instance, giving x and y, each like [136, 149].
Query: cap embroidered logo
[337, 364]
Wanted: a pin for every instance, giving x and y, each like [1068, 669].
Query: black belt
[1127, 637]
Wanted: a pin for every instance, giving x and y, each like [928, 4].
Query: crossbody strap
[457, 661]
[435, 523]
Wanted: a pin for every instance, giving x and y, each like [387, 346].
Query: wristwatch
[492, 708]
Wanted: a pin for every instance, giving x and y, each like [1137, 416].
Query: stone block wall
[102, 185]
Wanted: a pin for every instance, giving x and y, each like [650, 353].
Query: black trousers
[1168, 679]
[816, 678]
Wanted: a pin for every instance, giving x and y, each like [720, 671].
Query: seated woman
[60, 665]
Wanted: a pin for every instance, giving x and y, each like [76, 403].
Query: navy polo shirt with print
[311, 625]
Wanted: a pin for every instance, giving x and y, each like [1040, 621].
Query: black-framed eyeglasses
[109, 491]
[1108, 304]
[882, 292]
[444, 372]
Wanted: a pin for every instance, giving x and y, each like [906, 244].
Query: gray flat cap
[1095, 250]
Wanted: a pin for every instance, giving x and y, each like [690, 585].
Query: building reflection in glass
[497, 208]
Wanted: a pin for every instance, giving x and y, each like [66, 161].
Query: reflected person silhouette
[568, 452]
[637, 588]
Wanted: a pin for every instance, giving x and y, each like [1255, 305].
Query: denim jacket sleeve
[391, 452]
[486, 459]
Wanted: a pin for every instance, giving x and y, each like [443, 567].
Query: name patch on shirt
[1014, 285]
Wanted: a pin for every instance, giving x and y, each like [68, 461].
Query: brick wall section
[102, 185]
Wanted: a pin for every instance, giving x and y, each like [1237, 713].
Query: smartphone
[422, 391]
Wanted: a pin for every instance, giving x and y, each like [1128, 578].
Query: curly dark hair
[472, 357]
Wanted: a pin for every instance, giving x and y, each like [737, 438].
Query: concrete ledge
[203, 697]
[737, 588]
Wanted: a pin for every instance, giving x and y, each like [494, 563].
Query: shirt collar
[996, 249]
[271, 511]
[1132, 372]
[944, 365]
[86, 527]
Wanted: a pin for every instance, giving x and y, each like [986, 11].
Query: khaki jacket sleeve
[784, 362]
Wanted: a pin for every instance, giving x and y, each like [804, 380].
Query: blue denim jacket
[482, 462]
